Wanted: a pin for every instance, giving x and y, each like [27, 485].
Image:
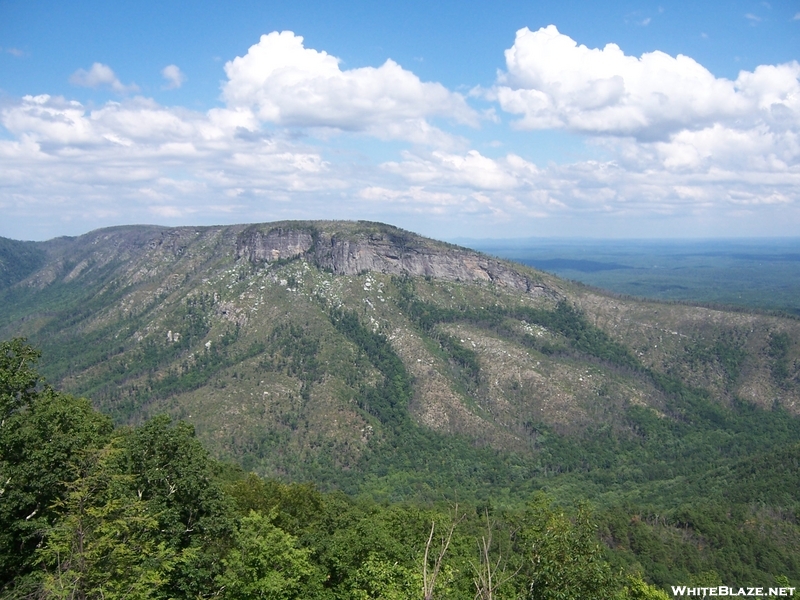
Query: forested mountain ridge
[136, 316]
[368, 359]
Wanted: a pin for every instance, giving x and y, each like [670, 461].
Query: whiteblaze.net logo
[723, 590]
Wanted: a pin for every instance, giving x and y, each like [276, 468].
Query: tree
[167, 467]
[490, 574]
[380, 579]
[565, 558]
[18, 377]
[638, 589]
[106, 543]
[42, 434]
[265, 562]
[431, 572]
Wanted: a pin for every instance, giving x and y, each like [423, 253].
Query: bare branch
[429, 577]
[489, 577]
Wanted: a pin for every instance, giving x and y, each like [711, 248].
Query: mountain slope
[366, 357]
[18, 260]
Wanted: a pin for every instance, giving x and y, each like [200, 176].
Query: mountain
[371, 359]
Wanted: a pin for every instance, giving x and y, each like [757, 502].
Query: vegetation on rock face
[477, 384]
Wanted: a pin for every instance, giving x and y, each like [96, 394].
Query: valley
[743, 273]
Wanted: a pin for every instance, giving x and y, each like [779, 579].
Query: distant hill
[748, 273]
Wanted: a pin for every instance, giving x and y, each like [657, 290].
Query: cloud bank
[668, 144]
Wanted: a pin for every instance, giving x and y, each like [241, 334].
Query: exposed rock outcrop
[383, 254]
[386, 250]
[277, 243]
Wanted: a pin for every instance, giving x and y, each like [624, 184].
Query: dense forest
[89, 510]
[92, 511]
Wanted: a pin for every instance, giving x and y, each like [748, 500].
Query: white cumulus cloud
[100, 75]
[471, 170]
[174, 77]
[553, 82]
[288, 84]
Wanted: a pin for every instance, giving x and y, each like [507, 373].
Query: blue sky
[467, 119]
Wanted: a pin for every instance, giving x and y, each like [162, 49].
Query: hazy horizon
[487, 242]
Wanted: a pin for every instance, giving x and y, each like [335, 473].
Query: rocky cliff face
[278, 243]
[385, 250]
[343, 248]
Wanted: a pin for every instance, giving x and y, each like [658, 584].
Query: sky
[466, 119]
